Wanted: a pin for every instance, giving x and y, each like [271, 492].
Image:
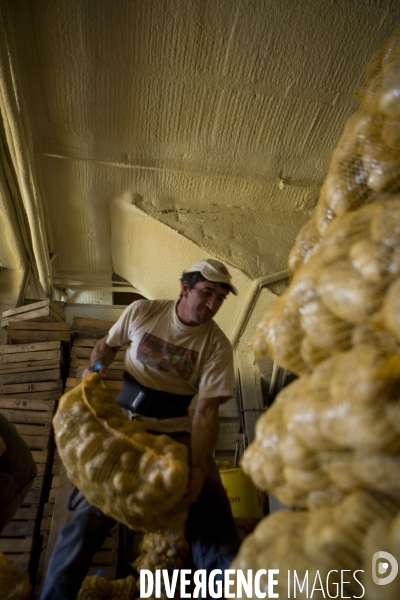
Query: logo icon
[383, 567]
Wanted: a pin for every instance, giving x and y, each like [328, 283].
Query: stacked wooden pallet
[80, 359]
[21, 332]
[85, 334]
[30, 386]
[43, 311]
[32, 370]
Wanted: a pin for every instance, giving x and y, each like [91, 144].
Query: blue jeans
[210, 532]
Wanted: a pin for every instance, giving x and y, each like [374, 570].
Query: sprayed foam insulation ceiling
[215, 119]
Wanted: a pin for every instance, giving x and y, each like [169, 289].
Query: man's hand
[101, 370]
[102, 353]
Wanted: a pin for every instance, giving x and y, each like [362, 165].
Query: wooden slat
[54, 306]
[21, 336]
[30, 347]
[40, 468]
[45, 524]
[31, 376]
[48, 510]
[31, 387]
[83, 352]
[18, 529]
[111, 374]
[41, 395]
[39, 456]
[37, 483]
[61, 515]
[36, 441]
[33, 497]
[8, 545]
[34, 306]
[25, 403]
[37, 326]
[41, 316]
[70, 383]
[117, 365]
[86, 322]
[20, 560]
[52, 495]
[56, 467]
[27, 416]
[86, 342]
[28, 429]
[32, 358]
[28, 367]
[91, 342]
[26, 514]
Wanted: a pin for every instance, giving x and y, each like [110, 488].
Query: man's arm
[205, 429]
[101, 352]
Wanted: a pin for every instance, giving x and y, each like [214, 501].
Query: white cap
[215, 271]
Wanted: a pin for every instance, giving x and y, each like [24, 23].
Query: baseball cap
[213, 270]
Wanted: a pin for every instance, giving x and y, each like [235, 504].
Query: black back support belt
[151, 403]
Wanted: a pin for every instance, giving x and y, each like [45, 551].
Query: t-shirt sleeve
[217, 375]
[119, 334]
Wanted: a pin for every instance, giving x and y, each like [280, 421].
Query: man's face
[203, 301]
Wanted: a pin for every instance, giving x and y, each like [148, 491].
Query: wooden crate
[22, 332]
[83, 327]
[20, 539]
[45, 310]
[114, 371]
[32, 370]
[31, 352]
[31, 382]
[81, 350]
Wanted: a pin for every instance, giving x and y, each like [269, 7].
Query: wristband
[97, 366]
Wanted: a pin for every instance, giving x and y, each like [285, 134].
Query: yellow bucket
[245, 499]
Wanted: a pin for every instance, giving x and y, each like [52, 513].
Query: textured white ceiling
[216, 117]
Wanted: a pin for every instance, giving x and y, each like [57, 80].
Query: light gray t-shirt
[166, 355]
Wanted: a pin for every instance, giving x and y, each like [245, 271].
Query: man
[175, 351]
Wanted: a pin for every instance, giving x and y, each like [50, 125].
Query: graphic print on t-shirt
[161, 355]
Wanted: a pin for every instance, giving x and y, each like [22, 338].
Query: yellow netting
[330, 442]
[99, 588]
[14, 583]
[328, 540]
[347, 293]
[137, 478]
[365, 164]
[332, 432]
[161, 550]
